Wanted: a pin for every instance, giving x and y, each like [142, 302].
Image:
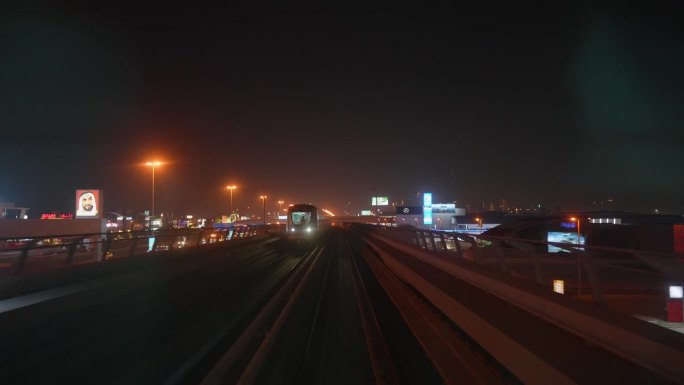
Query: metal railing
[601, 274]
[622, 280]
[23, 255]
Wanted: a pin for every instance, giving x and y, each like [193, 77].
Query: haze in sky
[562, 104]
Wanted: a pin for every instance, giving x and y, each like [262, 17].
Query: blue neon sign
[427, 208]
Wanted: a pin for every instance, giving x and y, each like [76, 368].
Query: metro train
[302, 221]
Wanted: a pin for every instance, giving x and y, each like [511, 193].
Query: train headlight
[308, 229]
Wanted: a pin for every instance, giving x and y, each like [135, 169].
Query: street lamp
[263, 200]
[153, 164]
[579, 266]
[231, 188]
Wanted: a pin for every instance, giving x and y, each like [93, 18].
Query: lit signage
[568, 225]
[444, 208]
[409, 210]
[559, 286]
[88, 203]
[427, 208]
[676, 292]
[427, 199]
[56, 216]
[678, 238]
[380, 201]
[569, 238]
[365, 212]
[427, 215]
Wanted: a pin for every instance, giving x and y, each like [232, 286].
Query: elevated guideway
[358, 304]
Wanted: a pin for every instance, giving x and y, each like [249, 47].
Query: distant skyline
[563, 104]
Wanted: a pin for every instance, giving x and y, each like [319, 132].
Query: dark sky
[563, 104]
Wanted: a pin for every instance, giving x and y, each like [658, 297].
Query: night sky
[563, 105]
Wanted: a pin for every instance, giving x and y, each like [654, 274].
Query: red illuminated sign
[56, 216]
[679, 239]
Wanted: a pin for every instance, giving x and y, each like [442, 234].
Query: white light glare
[308, 229]
[293, 230]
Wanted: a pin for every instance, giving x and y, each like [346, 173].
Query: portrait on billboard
[88, 203]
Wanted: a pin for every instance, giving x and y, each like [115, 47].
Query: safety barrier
[649, 346]
[36, 254]
[569, 268]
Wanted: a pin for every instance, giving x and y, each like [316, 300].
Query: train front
[302, 221]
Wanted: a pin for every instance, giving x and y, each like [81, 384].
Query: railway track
[335, 310]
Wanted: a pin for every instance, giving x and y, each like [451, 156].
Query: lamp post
[263, 200]
[153, 164]
[579, 265]
[231, 188]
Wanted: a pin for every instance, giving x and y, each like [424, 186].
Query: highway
[343, 308]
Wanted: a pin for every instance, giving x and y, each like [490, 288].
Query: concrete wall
[10, 228]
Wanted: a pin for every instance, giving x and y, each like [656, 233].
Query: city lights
[231, 188]
[154, 164]
[263, 200]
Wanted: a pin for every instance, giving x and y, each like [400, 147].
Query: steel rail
[384, 370]
[451, 356]
[241, 345]
[319, 303]
[249, 375]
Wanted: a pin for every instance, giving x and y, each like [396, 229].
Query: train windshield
[301, 217]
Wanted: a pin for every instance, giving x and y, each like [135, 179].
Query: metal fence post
[443, 242]
[501, 255]
[420, 239]
[432, 241]
[72, 251]
[108, 246]
[594, 280]
[457, 245]
[134, 242]
[538, 271]
[23, 257]
[476, 250]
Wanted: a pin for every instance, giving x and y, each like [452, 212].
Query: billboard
[563, 237]
[88, 204]
[427, 208]
[427, 199]
[679, 238]
[409, 210]
[380, 201]
[427, 215]
[444, 208]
